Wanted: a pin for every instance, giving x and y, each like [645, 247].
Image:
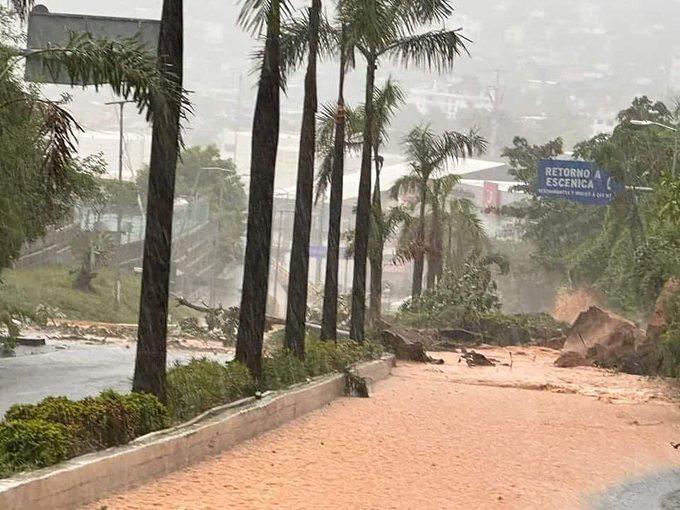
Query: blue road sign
[578, 181]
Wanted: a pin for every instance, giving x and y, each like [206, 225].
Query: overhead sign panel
[577, 181]
[53, 30]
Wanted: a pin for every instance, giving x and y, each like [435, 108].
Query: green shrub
[282, 369]
[202, 384]
[148, 413]
[459, 295]
[95, 423]
[32, 444]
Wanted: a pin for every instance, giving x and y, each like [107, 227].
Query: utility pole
[278, 259]
[237, 121]
[321, 221]
[348, 225]
[496, 96]
[119, 222]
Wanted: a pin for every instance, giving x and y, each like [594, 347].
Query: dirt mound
[657, 321]
[570, 303]
[600, 337]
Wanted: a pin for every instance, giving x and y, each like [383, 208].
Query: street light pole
[119, 220]
[636, 122]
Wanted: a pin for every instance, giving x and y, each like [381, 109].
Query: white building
[443, 97]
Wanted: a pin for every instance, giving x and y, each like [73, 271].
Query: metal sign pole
[119, 221]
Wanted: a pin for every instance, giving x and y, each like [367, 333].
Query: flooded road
[530, 436]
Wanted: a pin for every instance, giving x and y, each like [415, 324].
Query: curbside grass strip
[93, 476]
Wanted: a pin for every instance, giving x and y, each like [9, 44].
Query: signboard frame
[47, 29]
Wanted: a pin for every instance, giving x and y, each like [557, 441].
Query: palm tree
[150, 360]
[465, 233]
[428, 154]
[329, 316]
[299, 258]
[389, 28]
[453, 233]
[252, 315]
[387, 99]
[385, 102]
[439, 191]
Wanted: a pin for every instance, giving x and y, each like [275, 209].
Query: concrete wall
[93, 476]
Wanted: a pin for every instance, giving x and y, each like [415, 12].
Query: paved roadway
[74, 369]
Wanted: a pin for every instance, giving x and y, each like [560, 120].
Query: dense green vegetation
[39, 435]
[626, 250]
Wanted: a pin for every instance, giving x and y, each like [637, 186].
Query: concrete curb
[87, 478]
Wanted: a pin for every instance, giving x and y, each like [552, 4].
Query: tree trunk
[375, 254]
[435, 249]
[252, 316]
[151, 354]
[329, 320]
[363, 214]
[299, 257]
[419, 258]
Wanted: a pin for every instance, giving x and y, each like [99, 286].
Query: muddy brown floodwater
[529, 436]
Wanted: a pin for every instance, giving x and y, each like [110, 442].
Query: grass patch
[52, 287]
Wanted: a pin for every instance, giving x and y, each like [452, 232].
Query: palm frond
[386, 101]
[463, 215]
[443, 186]
[421, 12]
[369, 25]
[126, 66]
[255, 14]
[437, 49]
[419, 146]
[325, 141]
[497, 259]
[452, 146]
[294, 39]
[393, 219]
[405, 184]
[22, 7]
[58, 131]
[323, 174]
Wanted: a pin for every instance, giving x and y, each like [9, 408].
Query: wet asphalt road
[659, 491]
[75, 370]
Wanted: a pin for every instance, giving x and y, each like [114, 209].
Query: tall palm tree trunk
[329, 320]
[299, 256]
[151, 354]
[376, 251]
[363, 213]
[435, 249]
[264, 145]
[419, 258]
